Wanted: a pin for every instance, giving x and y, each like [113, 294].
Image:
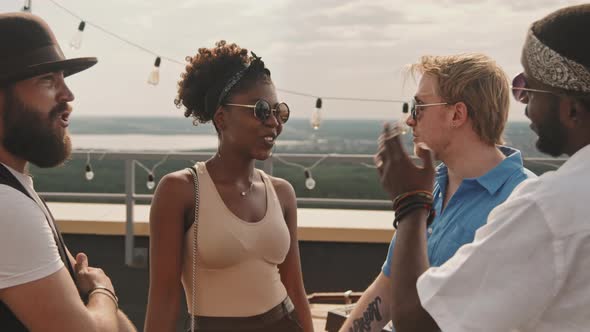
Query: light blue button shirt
[469, 207]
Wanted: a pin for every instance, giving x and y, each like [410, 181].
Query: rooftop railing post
[129, 204]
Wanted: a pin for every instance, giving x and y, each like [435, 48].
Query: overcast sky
[347, 48]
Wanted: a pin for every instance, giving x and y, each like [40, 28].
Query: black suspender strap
[8, 321]
[61, 245]
[7, 178]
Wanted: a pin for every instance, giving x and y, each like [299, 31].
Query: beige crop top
[237, 273]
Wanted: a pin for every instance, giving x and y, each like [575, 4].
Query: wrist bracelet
[106, 289]
[109, 295]
[416, 193]
[399, 216]
[107, 292]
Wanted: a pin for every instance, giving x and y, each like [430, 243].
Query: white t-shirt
[28, 251]
[528, 268]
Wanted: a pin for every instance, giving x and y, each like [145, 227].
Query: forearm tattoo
[370, 315]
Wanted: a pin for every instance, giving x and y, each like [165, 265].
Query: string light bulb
[89, 173]
[309, 181]
[27, 6]
[151, 184]
[154, 77]
[76, 41]
[316, 117]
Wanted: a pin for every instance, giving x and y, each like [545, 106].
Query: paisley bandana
[549, 67]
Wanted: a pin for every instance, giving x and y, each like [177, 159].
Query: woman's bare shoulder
[285, 193]
[176, 185]
[283, 186]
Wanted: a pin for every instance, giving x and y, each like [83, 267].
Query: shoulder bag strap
[193, 172]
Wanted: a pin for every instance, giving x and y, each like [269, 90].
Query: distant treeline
[337, 136]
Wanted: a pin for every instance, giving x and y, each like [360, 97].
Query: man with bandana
[42, 286]
[528, 268]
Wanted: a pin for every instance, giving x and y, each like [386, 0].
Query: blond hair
[476, 80]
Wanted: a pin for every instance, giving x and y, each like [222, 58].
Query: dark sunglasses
[263, 110]
[519, 88]
[415, 107]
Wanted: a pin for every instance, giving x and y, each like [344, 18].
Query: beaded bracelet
[401, 197]
[411, 197]
[412, 200]
[408, 202]
[400, 215]
[107, 292]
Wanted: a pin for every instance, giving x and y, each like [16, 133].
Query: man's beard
[552, 135]
[31, 135]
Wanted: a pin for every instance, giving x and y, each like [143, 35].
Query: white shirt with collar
[528, 268]
[28, 251]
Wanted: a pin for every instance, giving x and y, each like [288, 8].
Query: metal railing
[130, 197]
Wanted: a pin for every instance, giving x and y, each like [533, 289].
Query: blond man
[459, 110]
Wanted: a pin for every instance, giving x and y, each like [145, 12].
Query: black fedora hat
[28, 48]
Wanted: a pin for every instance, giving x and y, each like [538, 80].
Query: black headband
[256, 65]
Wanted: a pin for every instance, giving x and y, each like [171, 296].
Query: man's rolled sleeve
[504, 278]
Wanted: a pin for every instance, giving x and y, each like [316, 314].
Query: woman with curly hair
[247, 271]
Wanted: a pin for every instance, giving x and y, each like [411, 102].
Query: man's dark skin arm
[400, 175]
[410, 260]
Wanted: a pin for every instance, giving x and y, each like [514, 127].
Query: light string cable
[153, 78]
[89, 173]
[150, 184]
[114, 35]
[309, 180]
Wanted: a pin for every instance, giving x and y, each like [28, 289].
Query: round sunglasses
[263, 110]
[520, 90]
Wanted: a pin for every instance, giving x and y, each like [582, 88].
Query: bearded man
[42, 286]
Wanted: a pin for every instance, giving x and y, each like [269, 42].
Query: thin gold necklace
[244, 193]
